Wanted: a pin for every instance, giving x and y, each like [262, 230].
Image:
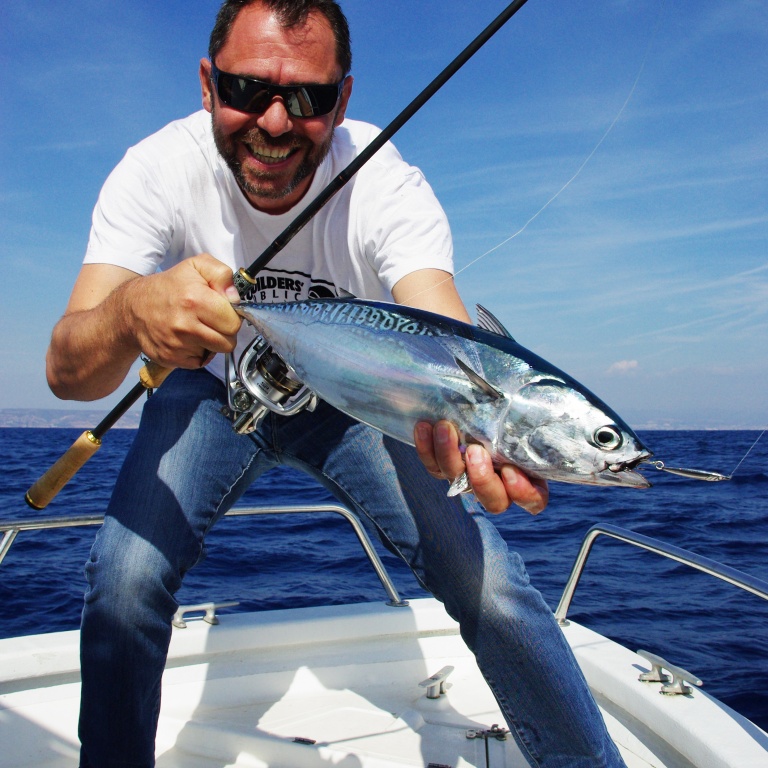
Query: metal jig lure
[693, 474]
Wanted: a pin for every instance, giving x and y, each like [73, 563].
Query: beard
[264, 184]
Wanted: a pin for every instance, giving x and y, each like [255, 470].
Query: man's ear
[346, 92]
[205, 84]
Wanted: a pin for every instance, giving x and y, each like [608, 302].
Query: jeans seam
[215, 517]
[519, 732]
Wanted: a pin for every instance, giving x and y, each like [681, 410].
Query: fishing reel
[259, 382]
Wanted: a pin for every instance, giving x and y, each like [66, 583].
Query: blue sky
[646, 277]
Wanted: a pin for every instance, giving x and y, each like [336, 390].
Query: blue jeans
[187, 467]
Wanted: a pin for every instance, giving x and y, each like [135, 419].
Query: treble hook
[694, 474]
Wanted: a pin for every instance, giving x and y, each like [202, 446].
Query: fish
[391, 366]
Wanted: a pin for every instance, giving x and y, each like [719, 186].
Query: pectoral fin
[478, 381]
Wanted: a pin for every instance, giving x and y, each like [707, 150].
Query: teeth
[265, 153]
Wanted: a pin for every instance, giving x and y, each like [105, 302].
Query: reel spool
[261, 381]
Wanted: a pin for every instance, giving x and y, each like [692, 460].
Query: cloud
[623, 367]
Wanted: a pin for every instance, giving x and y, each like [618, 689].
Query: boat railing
[10, 529]
[699, 562]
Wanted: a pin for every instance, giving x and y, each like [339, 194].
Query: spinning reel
[261, 381]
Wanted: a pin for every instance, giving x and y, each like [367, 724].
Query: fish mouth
[624, 472]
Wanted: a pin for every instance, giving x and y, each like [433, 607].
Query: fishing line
[597, 146]
[567, 183]
[589, 157]
[747, 453]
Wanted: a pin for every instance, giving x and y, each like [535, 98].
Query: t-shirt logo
[275, 286]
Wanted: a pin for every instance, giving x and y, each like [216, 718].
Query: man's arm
[176, 318]
[438, 446]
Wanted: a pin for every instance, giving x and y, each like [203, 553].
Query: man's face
[274, 155]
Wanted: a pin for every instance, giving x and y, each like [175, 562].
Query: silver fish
[391, 366]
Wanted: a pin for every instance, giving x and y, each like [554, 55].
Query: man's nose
[275, 119]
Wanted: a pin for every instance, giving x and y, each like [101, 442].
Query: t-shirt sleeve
[132, 224]
[403, 226]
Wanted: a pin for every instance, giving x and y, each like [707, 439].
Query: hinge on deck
[494, 732]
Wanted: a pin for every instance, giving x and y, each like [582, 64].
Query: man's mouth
[270, 155]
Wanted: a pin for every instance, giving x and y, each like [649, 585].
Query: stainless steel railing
[11, 528]
[712, 567]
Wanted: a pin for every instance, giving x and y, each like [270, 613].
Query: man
[277, 88]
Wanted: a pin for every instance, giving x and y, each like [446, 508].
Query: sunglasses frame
[315, 95]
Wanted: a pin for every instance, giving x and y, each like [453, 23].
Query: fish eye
[607, 438]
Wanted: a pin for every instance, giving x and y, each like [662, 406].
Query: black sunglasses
[246, 94]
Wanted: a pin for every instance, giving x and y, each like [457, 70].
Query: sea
[716, 631]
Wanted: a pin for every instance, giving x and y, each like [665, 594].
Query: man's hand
[438, 449]
[181, 317]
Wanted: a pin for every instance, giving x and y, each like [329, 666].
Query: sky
[604, 167]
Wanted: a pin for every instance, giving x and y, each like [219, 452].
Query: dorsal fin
[478, 381]
[488, 322]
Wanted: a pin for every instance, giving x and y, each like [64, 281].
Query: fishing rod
[152, 375]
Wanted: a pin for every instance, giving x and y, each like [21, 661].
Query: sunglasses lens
[248, 95]
[242, 94]
[311, 100]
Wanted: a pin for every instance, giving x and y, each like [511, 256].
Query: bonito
[390, 366]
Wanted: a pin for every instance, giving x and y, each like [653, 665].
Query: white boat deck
[339, 686]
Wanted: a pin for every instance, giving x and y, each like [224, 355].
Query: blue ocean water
[699, 623]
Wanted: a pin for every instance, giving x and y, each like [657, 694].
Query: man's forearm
[90, 354]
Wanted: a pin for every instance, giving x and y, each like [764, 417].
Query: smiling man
[225, 181]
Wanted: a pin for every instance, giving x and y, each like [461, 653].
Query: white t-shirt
[172, 196]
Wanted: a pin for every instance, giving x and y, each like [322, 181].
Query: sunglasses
[246, 94]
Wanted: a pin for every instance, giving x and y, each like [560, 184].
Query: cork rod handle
[40, 495]
[46, 488]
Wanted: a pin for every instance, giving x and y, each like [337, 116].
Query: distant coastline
[54, 418]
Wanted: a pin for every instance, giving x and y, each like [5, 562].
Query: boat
[366, 685]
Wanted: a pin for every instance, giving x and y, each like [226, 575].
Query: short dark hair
[290, 13]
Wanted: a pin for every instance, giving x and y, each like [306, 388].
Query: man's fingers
[529, 493]
[447, 453]
[217, 314]
[423, 439]
[438, 449]
[487, 486]
[218, 276]
[497, 490]
[211, 299]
